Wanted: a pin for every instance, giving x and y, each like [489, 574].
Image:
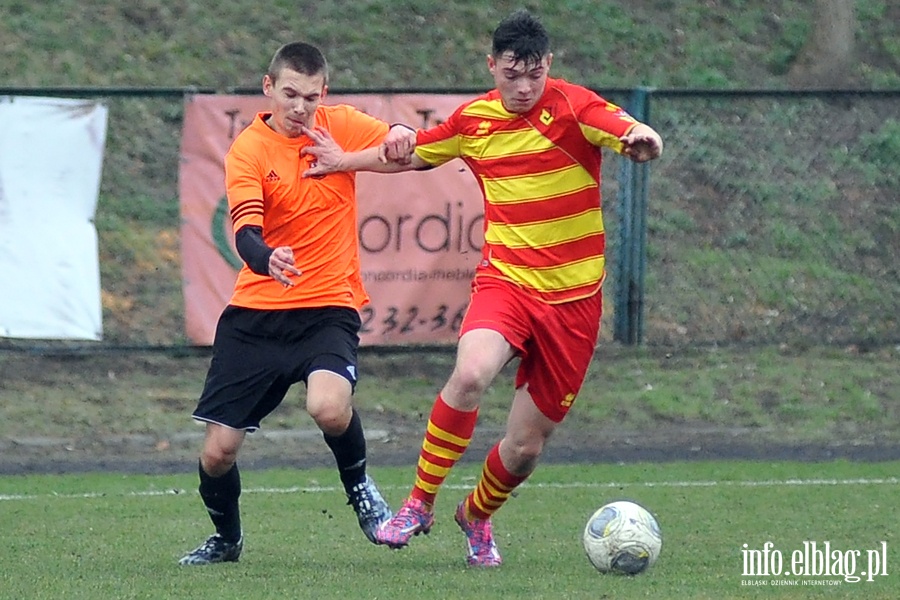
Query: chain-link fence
[774, 218]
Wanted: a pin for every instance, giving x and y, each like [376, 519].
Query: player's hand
[327, 155]
[641, 144]
[398, 146]
[281, 264]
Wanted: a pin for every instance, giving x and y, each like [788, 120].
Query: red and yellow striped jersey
[540, 175]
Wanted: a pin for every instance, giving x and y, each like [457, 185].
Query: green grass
[618, 43]
[760, 390]
[816, 395]
[111, 536]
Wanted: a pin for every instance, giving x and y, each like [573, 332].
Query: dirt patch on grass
[391, 444]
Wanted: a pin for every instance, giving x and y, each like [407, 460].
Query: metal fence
[772, 218]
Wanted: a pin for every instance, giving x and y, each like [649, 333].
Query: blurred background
[772, 217]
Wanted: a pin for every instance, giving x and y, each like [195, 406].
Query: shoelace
[361, 499]
[208, 546]
[407, 516]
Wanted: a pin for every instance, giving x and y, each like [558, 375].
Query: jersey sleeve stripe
[598, 137]
[247, 206]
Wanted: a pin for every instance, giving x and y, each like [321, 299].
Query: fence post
[631, 257]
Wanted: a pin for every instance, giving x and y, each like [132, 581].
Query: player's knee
[471, 378]
[331, 415]
[217, 460]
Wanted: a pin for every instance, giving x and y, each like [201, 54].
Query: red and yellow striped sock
[447, 436]
[493, 489]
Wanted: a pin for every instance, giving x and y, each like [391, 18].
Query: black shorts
[259, 354]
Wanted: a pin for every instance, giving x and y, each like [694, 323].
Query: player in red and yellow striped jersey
[534, 145]
[293, 315]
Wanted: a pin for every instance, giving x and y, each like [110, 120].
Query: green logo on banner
[220, 217]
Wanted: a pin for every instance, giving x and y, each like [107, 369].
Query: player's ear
[267, 85]
[324, 92]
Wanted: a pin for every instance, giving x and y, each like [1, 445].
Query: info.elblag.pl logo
[813, 563]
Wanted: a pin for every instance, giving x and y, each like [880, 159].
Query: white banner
[51, 157]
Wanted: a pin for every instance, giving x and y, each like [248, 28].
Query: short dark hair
[522, 34]
[301, 57]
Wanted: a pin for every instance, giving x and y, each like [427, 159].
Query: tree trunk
[828, 58]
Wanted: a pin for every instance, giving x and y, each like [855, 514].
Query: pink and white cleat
[413, 518]
[480, 539]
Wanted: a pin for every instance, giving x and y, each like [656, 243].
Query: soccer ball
[622, 537]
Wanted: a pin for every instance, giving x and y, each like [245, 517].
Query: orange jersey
[316, 217]
[540, 176]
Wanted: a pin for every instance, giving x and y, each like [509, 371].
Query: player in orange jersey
[293, 315]
[534, 144]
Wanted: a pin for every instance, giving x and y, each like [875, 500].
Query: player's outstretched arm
[331, 158]
[641, 143]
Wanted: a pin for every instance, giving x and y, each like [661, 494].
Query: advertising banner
[420, 232]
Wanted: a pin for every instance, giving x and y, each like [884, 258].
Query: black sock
[349, 451]
[220, 495]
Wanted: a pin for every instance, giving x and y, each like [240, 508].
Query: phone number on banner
[389, 320]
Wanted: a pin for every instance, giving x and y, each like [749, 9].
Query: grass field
[112, 536]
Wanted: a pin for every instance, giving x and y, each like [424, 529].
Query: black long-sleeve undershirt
[252, 249]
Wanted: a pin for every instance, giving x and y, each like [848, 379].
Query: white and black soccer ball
[622, 537]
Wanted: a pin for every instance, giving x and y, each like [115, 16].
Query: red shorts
[555, 341]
